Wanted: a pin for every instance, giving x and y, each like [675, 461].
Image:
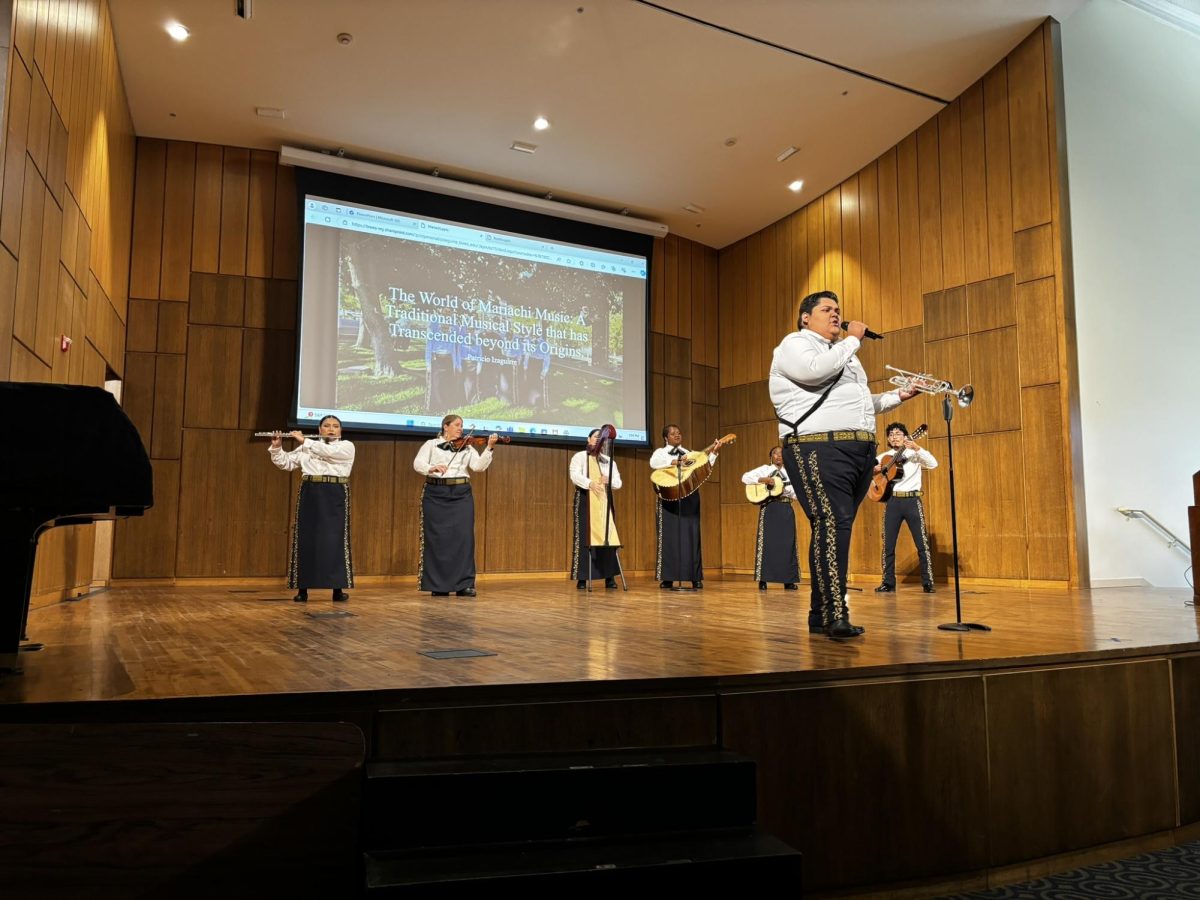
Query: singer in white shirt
[904, 505]
[320, 553]
[827, 421]
[775, 558]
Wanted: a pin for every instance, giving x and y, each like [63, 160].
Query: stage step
[707, 863]
[534, 798]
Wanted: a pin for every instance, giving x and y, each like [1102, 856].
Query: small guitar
[671, 483]
[761, 493]
[889, 468]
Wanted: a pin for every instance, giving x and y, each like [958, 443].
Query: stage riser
[557, 798]
[703, 865]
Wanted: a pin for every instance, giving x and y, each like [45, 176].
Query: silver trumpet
[927, 384]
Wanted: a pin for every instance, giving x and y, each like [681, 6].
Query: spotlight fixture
[795, 186]
[177, 31]
[541, 123]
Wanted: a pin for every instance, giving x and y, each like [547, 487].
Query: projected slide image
[425, 329]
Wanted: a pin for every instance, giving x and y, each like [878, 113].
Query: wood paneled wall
[950, 243]
[211, 356]
[66, 185]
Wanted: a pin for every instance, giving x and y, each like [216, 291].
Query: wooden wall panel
[1185, 684]
[206, 209]
[910, 231]
[233, 506]
[167, 436]
[534, 481]
[930, 210]
[901, 738]
[179, 189]
[868, 219]
[1045, 482]
[1029, 128]
[1033, 253]
[946, 314]
[172, 328]
[990, 304]
[407, 486]
[371, 512]
[235, 198]
[214, 376]
[999, 177]
[997, 405]
[852, 288]
[260, 228]
[146, 259]
[144, 546]
[951, 171]
[268, 370]
[1037, 332]
[1055, 738]
[17, 98]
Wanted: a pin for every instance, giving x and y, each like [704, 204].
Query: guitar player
[775, 557]
[678, 522]
[904, 505]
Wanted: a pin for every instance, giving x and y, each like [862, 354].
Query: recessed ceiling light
[785, 153]
[270, 112]
[522, 147]
[177, 31]
[693, 208]
[795, 186]
[541, 123]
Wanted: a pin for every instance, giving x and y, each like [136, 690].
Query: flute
[287, 434]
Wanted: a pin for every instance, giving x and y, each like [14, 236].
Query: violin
[889, 469]
[467, 441]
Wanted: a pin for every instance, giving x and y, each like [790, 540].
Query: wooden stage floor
[139, 643]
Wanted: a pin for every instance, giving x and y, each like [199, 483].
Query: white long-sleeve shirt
[662, 458]
[913, 463]
[315, 457]
[579, 470]
[754, 475]
[801, 368]
[460, 465]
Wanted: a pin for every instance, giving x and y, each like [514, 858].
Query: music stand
[958, 624]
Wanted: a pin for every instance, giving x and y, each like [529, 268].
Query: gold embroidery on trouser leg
[346, 541]
[928, 557]
[658, 527]
[758, 545]
[575, 576]
[883, 546]
[837, 596]
[294, 562]
[421, 545]
[817, 571]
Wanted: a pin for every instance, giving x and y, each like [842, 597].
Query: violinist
[904, 505]
[448, 508]
[595, 530]
[320, 555]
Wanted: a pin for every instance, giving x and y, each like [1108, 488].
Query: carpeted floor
[1163, 875]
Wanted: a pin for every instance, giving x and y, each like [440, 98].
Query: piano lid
[82, 454]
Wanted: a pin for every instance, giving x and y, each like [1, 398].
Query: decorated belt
[326, 479]
[906, 493]
[432, 479]
[830, 436]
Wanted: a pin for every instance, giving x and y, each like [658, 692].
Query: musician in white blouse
[904, 505]
[677, 522]
[775, 558]
[593, 516]
[448, 509]
[320, 552]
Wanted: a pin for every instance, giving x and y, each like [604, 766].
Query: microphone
[868, 333]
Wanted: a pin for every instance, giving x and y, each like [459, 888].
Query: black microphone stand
[958, 624]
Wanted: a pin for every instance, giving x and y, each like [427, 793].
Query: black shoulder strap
[812, 409]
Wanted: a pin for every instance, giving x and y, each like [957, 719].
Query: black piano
[76, 458]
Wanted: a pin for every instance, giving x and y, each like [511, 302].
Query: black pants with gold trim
[905, 510]
[831, 479]
[677, 527]
[775, 557]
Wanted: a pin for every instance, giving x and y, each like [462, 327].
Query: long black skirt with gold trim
[677, 524]
[320, 556]
[447, 538]
[604, 559]
[775, 558]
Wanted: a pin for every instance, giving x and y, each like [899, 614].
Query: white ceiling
[642, 101]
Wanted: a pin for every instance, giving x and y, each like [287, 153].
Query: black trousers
[775, 557]
[831, 480]
[909, 510]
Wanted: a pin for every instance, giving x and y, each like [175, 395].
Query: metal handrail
[1163, 530]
